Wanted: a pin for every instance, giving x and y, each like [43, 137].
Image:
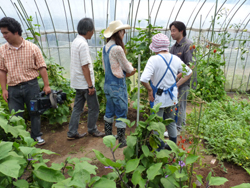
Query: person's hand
[150, 96]
[132, 73]
[47, 90]
[5, 95]
[91, 91]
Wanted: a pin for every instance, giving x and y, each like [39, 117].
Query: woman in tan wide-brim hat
[117, 68]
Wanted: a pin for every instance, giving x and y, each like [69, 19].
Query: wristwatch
[91, 87]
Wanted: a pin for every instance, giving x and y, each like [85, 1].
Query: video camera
[43, 102]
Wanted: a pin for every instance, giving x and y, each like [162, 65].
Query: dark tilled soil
[56, 141]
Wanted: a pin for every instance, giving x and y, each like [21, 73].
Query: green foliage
[58, 82]
[143, 166]
[140, 44]
[99, 81]
[11, 126]
[210, 75]
[225, 127]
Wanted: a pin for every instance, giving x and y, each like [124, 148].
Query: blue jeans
[23, 93]
[117, 104]
[93, 111]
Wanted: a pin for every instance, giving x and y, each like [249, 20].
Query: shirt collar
[183, 40]
[21, 45]
[81, 37]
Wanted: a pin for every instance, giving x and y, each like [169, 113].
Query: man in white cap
[162, 70]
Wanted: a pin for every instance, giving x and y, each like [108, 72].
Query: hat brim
[107, 33]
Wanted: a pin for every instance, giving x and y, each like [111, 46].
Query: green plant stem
[113, 153]
[120, 176]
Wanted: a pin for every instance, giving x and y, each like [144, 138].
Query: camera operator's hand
[47, 90]
[91, 91]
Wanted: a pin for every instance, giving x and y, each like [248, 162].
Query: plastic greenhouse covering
[58, 22]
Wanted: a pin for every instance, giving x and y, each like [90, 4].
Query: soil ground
[56, 141]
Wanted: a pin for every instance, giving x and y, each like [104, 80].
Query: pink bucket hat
[160, 42]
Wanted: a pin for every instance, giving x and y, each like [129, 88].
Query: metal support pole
[138, 92]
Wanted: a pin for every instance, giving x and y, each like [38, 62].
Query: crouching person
[161, 70]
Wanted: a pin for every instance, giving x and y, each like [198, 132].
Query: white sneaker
[39, 141]
[166, 134]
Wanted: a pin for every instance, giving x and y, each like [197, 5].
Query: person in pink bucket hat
[161, 70]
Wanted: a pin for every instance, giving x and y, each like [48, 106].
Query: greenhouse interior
[215, 136]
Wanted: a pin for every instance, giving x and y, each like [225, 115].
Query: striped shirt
[80, 56]
[21, 63]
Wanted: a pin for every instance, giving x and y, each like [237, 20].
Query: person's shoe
[108, 128]
[166, 134]
[39, 141]
[76, 136]
[97, 134]
[121, 137]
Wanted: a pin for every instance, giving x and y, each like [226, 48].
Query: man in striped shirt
[20, 61]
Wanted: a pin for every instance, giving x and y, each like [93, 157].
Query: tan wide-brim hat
[115, 26]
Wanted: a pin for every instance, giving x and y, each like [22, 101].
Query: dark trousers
[93, 111]
[23, 93]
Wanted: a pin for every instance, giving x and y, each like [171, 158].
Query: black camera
[159, 92]
[43, 102]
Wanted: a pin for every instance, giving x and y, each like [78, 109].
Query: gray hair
[85, 25]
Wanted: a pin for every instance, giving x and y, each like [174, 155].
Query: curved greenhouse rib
[179, 10]
[66, 23]
[195, 18]
[54, 31]
[152, 8]
[14, 5]
[39, 30]
[169, 18]
[216, 14]
[94, 23]
[84, 7]
[115, 10]
[157, 12]
[238, 52]
[192, 13]
[208, 14]
[229, 14]
[246, 60]
[136, 16]
[3, 11]
[107, 13]
[71, 18]
[234, 41]
[43, 28]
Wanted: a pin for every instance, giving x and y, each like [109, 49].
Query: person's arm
[3, 82]
[86, 73]
[150, 91]
[124, 63]
[183, 80]
[44, 76]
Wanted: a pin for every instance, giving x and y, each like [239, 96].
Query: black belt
[25, 83]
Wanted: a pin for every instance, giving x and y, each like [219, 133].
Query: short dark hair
[12, 25]
[180, 26]
[85, 25]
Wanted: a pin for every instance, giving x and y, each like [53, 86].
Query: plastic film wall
[58, 21]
